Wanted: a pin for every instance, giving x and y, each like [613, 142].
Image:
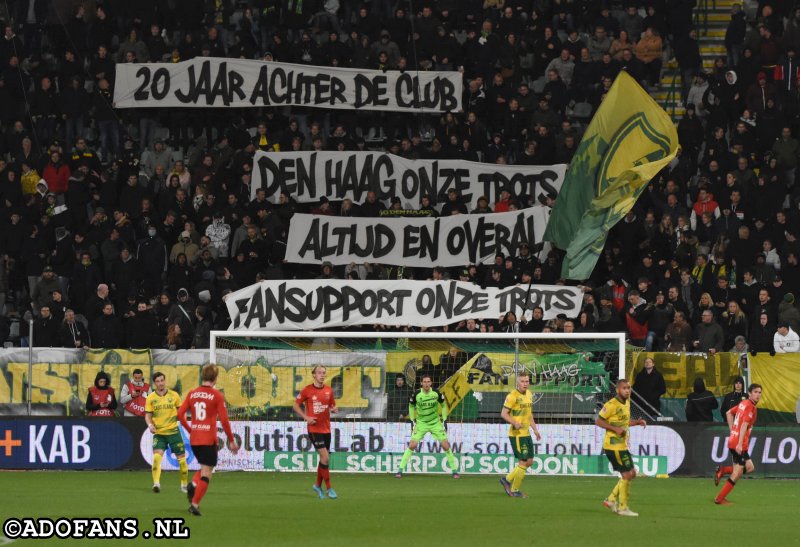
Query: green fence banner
[469, 464]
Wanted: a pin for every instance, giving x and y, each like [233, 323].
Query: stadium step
[720, 16]
[713, 49]
[712, 46]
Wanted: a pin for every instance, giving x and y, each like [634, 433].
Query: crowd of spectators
[126, 228]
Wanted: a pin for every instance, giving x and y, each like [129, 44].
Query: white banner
[308, 176]
[221, 82]
[257, 437]
[451, 241]
[331, 303]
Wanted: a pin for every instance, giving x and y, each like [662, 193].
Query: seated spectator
[101, 400]
[564, 65]
[620, 44]
[599, 43]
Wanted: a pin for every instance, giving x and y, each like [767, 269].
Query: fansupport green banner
[469, 464]
[562, 373]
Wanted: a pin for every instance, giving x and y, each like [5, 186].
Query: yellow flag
[779, 377]
[628, 141]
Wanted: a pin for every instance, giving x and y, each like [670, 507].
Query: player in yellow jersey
[518, 412]
[161, 415]
[615, 418]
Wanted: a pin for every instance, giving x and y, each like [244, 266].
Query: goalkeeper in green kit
[423, 410]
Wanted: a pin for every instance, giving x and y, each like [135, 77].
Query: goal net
[373, 375]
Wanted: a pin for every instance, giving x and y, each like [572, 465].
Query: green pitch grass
[271, 509]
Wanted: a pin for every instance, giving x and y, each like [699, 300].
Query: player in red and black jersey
[741, 420]
[206, 405]
[318, 404]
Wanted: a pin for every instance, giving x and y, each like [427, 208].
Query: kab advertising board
[44, 443]
[676, 449]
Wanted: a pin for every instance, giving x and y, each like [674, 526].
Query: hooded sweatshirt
[701, 403]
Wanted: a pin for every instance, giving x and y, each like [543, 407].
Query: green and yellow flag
[779, 377]
[628, 141]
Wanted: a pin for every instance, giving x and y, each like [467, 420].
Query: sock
[726, 470]
[451, 460]
[157, 468]
[184, 471]
[520, 474]
[318, 482]
[615, 491]
[406, 457]
[202, 486]
[512, 475]
[726, 489]
[196, 478]
[325, 473]
[624, 493]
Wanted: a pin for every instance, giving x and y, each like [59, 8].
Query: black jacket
[732, 400]
[107, 332]
[45, 332]
[649, 388]
[701, 403]
[142, 330]
[71, 333]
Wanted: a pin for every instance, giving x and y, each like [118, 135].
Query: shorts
[740, 459]
[621, 460]
[421, 429]
[522, 447]
[206, 454]
[321, 440]
[173, 441]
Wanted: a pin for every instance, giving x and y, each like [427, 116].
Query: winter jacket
[57, 177]
[649, 387]
[701, 403]
[648, 49]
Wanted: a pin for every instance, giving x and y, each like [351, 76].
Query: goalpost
[373, 374]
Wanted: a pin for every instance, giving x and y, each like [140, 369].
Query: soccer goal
[373, 375]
